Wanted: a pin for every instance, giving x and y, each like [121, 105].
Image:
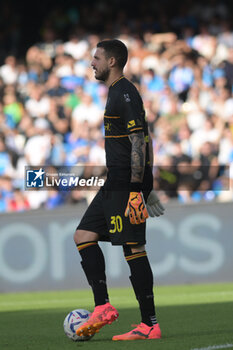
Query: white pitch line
[216, 347]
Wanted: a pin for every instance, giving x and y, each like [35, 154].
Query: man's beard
[103, 76]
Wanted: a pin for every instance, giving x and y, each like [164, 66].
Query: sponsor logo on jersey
[131, 123]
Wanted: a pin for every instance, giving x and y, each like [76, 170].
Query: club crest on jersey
[131, 123]
[127, 98]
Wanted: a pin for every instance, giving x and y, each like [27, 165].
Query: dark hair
[115, 48]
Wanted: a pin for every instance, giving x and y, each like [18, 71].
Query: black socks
[93, 265]
[142, 282]
[141, 278]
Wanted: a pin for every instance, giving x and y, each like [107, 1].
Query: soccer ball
[73, 321]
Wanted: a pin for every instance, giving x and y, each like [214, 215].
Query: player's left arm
[136, 208]
[138, 156]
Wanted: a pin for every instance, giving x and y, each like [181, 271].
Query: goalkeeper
[118, 212]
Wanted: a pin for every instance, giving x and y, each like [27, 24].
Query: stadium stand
[51, 107]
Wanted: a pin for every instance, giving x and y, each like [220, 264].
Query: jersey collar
[116, 81]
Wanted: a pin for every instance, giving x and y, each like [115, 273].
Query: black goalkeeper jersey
[124, 114]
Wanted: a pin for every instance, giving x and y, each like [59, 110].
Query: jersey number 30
[116, 221]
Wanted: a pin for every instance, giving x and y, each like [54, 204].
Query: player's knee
[138, 249]
[82, 236]
[129, 250]
[76, 237]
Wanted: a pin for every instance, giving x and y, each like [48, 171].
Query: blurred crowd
[51, 106]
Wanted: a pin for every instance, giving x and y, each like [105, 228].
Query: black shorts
[106, 217]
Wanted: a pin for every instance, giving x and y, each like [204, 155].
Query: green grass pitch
[191, 317]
